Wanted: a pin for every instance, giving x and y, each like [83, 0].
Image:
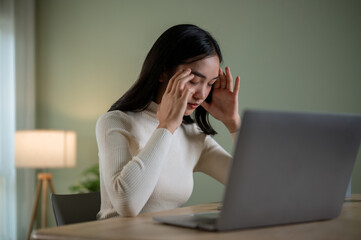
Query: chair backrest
[75, 208]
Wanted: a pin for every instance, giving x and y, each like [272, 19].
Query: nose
[201, 92]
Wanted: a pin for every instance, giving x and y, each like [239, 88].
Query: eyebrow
[198, 74]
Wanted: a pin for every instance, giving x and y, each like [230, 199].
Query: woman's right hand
[174, 101]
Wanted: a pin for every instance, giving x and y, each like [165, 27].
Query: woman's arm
[214, 161]
[129, 180]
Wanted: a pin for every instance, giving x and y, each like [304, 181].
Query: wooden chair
[75, 208]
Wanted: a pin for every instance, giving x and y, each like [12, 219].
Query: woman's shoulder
[113, 119]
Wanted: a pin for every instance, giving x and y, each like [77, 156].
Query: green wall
[298, 55]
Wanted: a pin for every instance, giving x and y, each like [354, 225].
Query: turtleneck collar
[151, 111]
[153, 107]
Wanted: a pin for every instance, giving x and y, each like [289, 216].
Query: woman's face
[206, 72]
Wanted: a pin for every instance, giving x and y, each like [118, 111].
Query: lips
[193, 105]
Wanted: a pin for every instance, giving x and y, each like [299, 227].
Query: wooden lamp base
[44, 179]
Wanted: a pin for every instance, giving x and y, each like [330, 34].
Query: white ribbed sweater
[145, 169]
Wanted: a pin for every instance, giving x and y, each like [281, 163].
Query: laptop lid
[289, 167]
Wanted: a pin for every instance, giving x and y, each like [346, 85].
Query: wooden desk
[346, 226]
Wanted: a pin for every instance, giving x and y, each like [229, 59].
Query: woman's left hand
[224, 104]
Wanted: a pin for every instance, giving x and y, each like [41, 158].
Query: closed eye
[211, 83]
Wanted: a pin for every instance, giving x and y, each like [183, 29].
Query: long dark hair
[175, 46]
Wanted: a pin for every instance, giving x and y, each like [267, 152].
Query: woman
[149, 145]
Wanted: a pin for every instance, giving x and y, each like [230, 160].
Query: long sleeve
[215, 161]
[129, 173]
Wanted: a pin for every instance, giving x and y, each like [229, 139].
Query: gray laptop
[288, 167]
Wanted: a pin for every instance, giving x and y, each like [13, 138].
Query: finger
[223, 81]
[185, 95]
[175, 79]
[236, 85]
[182, 81]
[172, 80]
[229, 79]
[186, 79]
[217, 84]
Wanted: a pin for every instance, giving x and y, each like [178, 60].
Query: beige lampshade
[45, 149]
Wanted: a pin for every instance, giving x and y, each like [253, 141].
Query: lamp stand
[43, 180]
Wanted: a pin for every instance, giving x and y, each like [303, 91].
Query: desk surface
[346, 226]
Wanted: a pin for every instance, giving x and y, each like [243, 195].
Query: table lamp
[43, 149]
